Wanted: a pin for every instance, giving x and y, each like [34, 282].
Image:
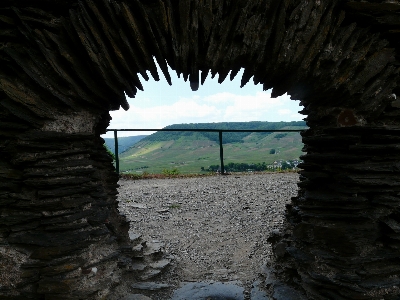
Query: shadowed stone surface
[66, 63]
[151, 286]
[212, 291]
[257, 293]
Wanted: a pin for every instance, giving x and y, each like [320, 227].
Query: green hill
[190, 152]
[124, 143]
[228, 137]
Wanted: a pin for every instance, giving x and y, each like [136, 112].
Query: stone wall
[66, 63]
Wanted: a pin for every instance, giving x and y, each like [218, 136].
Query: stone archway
[65, 64]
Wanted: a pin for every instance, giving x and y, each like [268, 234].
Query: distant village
[284, 164]
[278, 165]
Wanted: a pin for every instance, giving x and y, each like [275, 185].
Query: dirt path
[215, 227]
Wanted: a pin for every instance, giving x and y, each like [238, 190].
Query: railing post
[221, 153]
[116, 151]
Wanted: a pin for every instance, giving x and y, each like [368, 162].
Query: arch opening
[213, 106]
[160, 211]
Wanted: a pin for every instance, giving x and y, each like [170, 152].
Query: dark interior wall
[65, 64]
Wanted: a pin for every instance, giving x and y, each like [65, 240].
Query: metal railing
[220, 131]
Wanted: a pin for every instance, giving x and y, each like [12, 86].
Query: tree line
[243, 167]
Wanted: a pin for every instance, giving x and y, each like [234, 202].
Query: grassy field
[190, 155]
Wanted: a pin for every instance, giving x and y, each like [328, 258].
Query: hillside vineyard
[66, 63]
[199, 151]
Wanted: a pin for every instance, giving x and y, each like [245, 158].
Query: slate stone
[137, 251]
[5, 199]
[49, 286]
[150, 274]
[299, 255]
[283, 292]
[136, 267]
[50, 239]
[25, 226]
[280, 249]
[161, 264]
[71, 265]
[154, 247]
[13, 217]
[138, 205]
[134, 236]
[48, 253]
[149, 286]
[98, 218]
[257, 293]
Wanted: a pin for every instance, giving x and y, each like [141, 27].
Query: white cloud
[283, 112]
[218, 98]
[251, 107]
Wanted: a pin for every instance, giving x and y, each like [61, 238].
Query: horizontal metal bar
[213, 130]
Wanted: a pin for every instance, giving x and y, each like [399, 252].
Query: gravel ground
[216, 227]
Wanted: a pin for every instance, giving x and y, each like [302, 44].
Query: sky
[160, 104]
